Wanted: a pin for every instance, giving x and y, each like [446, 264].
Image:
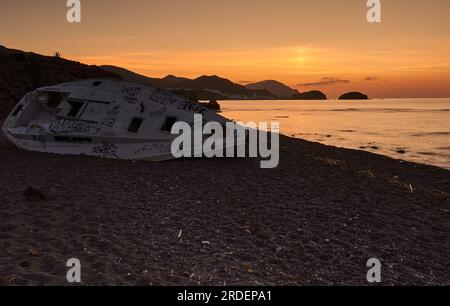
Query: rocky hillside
[21, 72]
[169, 81]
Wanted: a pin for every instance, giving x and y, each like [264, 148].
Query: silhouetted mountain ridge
[276, 88]
[25, 71]
[205, 86]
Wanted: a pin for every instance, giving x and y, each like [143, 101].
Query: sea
[416, 130]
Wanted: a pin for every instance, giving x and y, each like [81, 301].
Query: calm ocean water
[416, 130]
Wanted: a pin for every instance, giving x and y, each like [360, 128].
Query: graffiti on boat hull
[66, 126]
[105, 149]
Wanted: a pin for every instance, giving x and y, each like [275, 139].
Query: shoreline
[314, 220]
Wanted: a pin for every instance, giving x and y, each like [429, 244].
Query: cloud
[326, 81]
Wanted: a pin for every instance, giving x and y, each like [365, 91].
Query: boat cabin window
[54, 99]
[74, 108]
[135, 125]
[168, 124]
[50, 100]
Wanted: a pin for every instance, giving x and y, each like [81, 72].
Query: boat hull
[115, 119]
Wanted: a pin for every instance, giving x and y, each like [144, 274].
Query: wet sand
[314, 220]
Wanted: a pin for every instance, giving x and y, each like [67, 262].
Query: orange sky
[323, 44]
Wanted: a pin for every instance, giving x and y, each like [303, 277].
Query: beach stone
[25, 264]
[34, 195]
[34, 253]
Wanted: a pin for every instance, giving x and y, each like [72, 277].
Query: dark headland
[21, 72]
[314, 220]
[310, 95]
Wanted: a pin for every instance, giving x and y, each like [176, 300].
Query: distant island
[310, 95]
[353, 96]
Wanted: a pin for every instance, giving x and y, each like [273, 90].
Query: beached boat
[102, 117]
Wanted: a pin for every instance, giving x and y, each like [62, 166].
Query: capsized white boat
[102, 117]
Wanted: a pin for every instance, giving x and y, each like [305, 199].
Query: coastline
[314, 220]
